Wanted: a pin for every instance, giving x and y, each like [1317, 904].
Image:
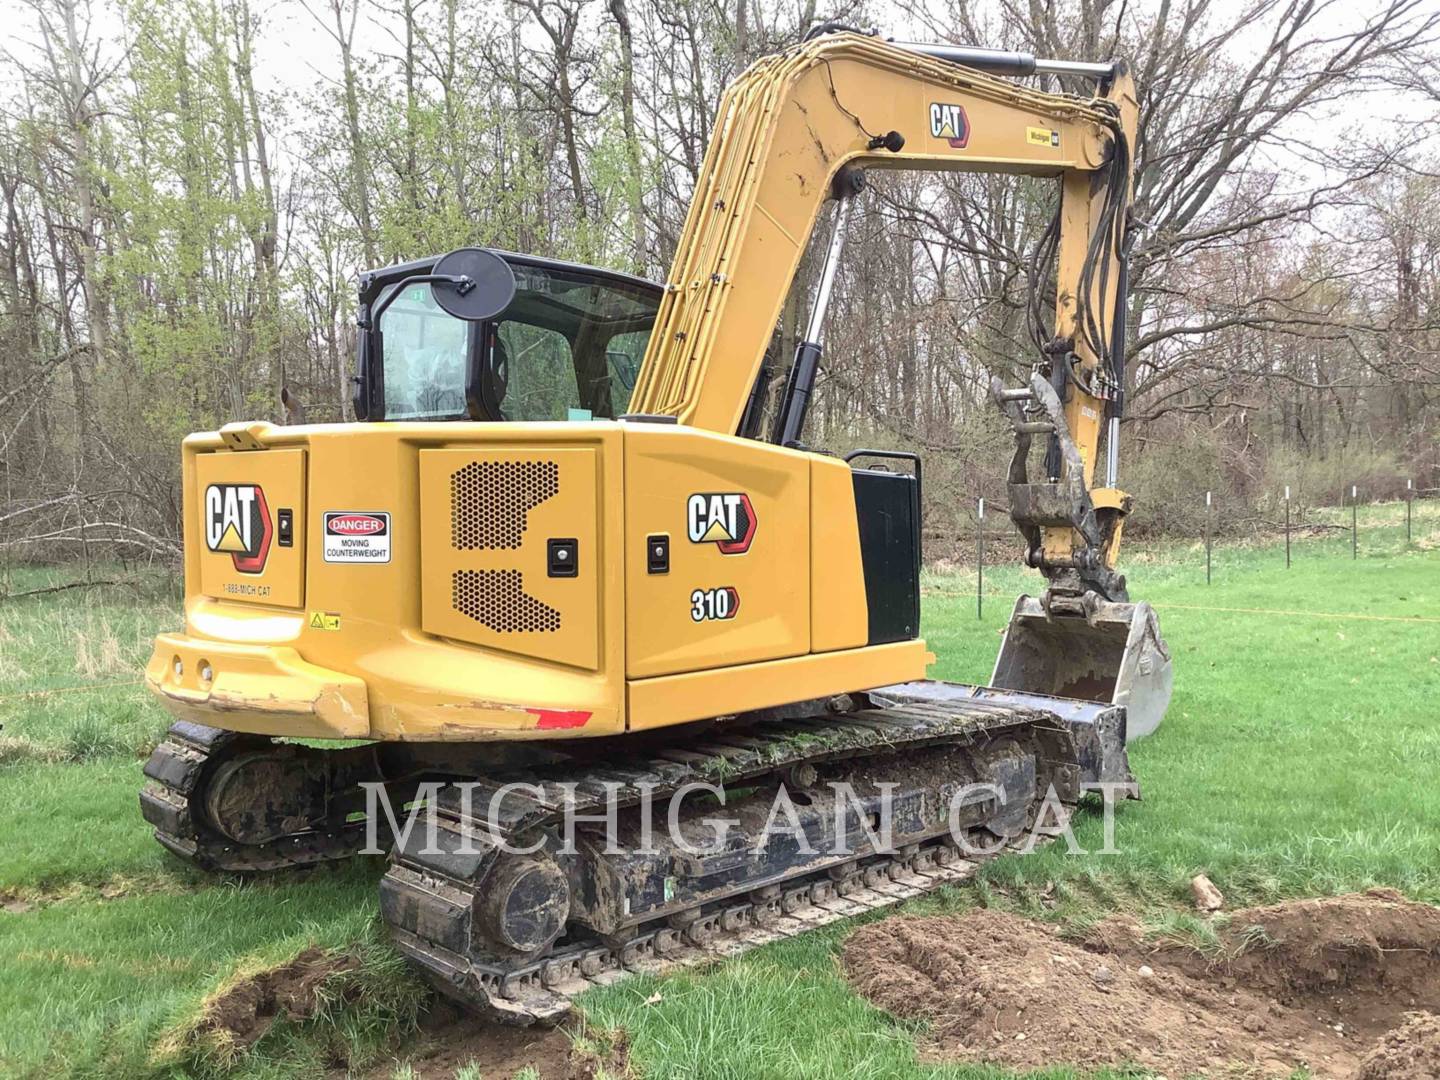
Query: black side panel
[887, 506]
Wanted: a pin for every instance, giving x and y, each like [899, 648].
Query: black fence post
[1287, 526]
[1409, 502]
[980, 560]
[1209, 530]
[1354, 522]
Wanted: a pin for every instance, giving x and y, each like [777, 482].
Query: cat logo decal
[950, 123]
[726, 520]
[237, 522]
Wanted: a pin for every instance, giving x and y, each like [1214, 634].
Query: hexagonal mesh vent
[489, 501]
[497, 599]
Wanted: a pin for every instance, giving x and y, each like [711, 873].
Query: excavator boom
[784, 130]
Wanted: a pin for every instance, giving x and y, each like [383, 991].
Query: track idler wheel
[259, 797]
[523, 904]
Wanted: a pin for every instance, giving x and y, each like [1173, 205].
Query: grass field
[1298, 758]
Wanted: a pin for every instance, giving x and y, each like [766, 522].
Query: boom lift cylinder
[790, 421]
[1004, 62]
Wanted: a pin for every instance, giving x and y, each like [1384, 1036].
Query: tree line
[191, 187]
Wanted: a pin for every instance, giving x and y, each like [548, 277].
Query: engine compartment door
[249, 510]
[510, 553]
[734, 518]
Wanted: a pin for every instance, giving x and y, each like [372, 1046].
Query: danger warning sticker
[356, 536]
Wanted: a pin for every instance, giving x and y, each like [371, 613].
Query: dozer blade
[1113, 653]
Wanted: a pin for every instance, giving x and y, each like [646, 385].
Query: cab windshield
[567, 348]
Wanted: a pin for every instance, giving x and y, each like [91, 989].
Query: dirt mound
[1305, 984]
[244, 1012]
[1410, 1052]
[446, 1041]
[1368, 955]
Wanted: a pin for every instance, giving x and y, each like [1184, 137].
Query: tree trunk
[621, 16]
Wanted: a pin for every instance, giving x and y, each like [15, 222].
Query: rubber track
[426, 898]
[173, 796]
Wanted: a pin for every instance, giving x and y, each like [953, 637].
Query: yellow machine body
[438, 617]
[457, 630]
[480, 593]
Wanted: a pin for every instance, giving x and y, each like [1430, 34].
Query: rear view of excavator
[568, 566]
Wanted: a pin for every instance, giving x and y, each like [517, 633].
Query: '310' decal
[707, 604]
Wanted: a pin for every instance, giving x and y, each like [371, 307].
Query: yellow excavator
[568, 560]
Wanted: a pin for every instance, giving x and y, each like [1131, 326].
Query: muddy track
[430, 894]
[172, 801]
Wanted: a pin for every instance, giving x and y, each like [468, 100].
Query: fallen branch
[65, 588]
[1303, 526]
[80, 534]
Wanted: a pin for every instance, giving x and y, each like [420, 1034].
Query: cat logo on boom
[950, 123]
[726, 520]
[237, 522]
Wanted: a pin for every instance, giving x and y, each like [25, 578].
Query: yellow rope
[1158, 607]
[1314, 614]
[70, 689]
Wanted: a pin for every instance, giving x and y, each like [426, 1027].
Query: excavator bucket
[1113, 654]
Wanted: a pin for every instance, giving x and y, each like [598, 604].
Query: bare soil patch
[242, 1014]
[1409, 1052]
[450, 1039]
[1314, 983]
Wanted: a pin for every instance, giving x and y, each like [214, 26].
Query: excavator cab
[487, 335]
[479, 334]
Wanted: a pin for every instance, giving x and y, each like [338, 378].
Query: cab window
[425, 358]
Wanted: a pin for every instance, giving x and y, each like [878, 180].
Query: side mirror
[473, 284]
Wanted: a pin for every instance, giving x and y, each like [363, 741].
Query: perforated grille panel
[486, 575]
[489, 501]
[497, 599]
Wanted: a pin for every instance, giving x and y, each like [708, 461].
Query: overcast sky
[296, 55]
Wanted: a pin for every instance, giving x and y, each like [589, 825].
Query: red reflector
[560, 718]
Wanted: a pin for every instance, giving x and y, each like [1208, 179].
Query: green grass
[71, 664]
[1294, 753]
[1298, 758]
[93, 987]
[72, 826]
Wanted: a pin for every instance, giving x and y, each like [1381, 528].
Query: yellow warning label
[1042, 137]
[324, 620]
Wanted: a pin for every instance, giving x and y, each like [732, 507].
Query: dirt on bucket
[1312, 984]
